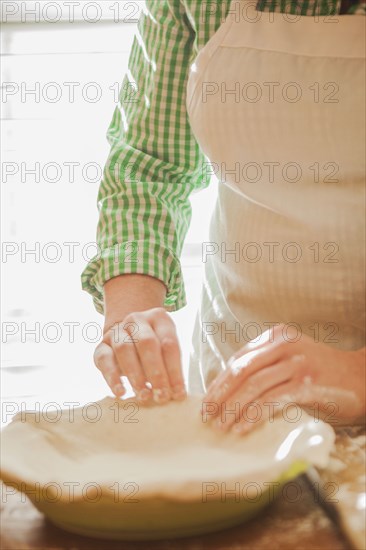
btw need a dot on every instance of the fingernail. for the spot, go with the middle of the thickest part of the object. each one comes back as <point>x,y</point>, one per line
<point>119,389</point>
<point>144,395</point>
<point>179,392</point>
<point>161,395</point>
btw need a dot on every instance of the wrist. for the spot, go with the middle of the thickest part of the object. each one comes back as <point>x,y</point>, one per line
<point>131,293</point>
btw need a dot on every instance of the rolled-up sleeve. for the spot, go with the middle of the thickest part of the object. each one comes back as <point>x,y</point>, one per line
<point>154,162</point>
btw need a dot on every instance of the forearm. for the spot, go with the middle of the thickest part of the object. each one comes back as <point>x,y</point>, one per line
<point>129,293</point>
<point>143,220</point>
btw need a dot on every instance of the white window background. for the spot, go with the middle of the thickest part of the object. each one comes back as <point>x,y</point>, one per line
<point>50,150</point>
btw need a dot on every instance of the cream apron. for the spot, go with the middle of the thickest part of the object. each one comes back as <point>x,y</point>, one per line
<point>276,103</point>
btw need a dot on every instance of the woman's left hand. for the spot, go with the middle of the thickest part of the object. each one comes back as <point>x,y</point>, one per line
<point>275,370</point>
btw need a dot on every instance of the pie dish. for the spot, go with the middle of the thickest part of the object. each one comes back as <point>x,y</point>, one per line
<point>114,469</point>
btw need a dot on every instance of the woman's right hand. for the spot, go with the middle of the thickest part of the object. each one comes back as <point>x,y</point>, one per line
<point>144,347</point>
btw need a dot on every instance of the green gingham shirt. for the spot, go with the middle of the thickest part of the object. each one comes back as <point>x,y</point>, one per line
<point>155,162</point>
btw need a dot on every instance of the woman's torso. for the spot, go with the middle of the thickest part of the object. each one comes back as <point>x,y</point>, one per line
<point>278,108</point>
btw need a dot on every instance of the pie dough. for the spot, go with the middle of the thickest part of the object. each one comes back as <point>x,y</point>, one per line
<point>119,470</point>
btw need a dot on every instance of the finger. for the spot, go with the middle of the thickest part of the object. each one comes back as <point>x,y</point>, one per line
<point>268,406</point>
<point>166,333</point>
<point>269,336</point>
<point>123,345</point>
<point>151,359</point>
<point>261,382</point>
<point>105,361</point>
<point>278,334</point>
<point>241,368</point>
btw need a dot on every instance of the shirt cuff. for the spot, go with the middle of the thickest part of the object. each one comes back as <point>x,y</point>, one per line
<point>142,257</point>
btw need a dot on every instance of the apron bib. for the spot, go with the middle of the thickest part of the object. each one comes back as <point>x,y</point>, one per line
<point>276,103</point>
